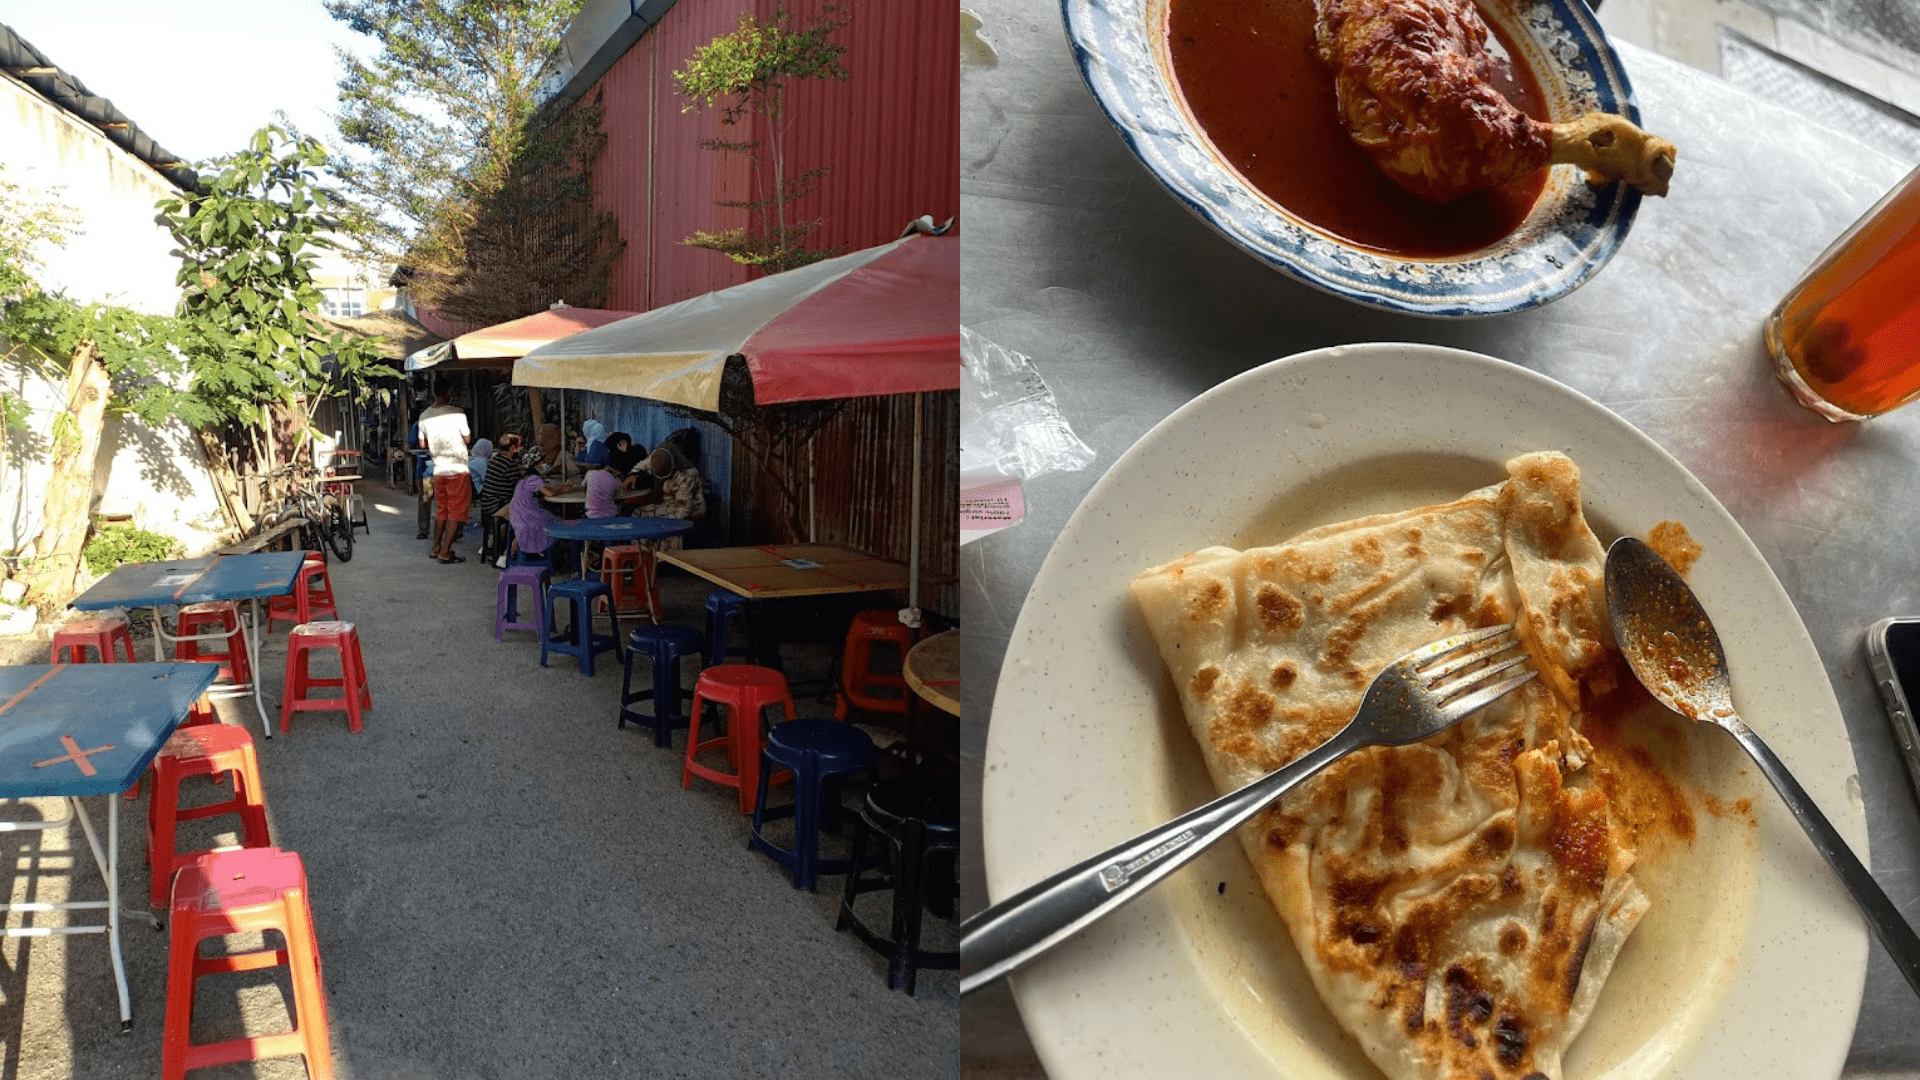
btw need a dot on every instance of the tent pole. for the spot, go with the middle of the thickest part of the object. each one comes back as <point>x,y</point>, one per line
<point>913,548</point>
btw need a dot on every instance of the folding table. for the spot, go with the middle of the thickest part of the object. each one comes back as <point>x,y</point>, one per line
<point>198,581</point>
<point>73,730</point>
<point>781,571</point>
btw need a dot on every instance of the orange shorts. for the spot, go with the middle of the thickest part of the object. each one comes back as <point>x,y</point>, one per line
<point>452,497</point>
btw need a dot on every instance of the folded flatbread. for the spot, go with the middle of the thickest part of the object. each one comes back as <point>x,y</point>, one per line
<point>1458,902</point>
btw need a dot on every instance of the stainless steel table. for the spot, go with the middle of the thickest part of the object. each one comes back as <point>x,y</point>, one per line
<point>1075,256</point>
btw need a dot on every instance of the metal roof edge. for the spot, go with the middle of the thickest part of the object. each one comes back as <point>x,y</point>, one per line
<point>591,45</point>
<point>31,68</point>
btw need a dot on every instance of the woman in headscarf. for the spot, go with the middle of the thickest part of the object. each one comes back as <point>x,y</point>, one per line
<point>477,456</point>
<point>679,491</point>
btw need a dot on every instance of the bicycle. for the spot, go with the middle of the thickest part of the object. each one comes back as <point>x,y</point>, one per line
<point>320,503</point>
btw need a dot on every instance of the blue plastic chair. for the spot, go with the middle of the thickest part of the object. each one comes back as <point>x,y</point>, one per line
<point>580,641</point>
<point>819,752</point>
<point>663,645</point>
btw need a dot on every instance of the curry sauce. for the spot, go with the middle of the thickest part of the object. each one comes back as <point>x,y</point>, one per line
<point>1252,77</point>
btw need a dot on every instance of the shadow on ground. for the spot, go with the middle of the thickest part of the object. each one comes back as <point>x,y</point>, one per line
<point>505,884</point>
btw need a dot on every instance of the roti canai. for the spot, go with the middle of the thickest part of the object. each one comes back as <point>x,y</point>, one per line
<point>1458,902</point>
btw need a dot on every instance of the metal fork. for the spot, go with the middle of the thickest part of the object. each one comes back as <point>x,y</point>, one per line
<point>1418,696</point>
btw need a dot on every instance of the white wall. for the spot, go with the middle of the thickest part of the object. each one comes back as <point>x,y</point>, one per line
<point>118,255</point>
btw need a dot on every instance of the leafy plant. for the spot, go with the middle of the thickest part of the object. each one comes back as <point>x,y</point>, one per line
<point>116,544</point>
<point>746,73</point>
<point>248,300</point>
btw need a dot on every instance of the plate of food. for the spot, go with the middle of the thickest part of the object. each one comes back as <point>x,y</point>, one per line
<point>1573,883</point>
<point>1437,157</point>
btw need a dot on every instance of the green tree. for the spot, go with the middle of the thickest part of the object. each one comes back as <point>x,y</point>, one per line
<point>447,155</point>
<point>746,73</point>
<point>247,328</point>
<point>242,340</point>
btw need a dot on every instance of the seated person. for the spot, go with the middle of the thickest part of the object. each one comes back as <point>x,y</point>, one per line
<point>554,461</point>
<point>530,519</point>
<point>602,483</point>
<point>678,491</point>
<point>625,456</point>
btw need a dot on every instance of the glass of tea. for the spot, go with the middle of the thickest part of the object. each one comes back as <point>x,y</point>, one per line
<point>1846,340</point>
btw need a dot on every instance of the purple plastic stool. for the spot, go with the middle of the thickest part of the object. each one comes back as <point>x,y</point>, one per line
<point>506,615</point>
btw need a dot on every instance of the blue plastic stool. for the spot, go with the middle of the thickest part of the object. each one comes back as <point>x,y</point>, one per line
<point>581,642</point>
<point>722,606</point>
<point>506,611</point>
<point>664,644</point>
<point>817,751</point>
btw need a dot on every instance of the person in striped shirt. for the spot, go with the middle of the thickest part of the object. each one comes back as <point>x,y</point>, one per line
<point>511,460</point>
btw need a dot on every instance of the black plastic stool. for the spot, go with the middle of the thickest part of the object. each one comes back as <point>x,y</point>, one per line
<point>919,817</point>
<point>664,645</point>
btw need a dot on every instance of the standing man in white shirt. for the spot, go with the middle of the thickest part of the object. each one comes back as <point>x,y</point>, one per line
<point>444,433</point>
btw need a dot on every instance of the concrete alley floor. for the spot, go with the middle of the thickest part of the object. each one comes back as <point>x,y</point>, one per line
<point>504,884</point>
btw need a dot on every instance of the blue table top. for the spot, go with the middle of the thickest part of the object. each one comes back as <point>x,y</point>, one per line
<point>194,581</point>
<point>618,528</point>
<point>117,715</point>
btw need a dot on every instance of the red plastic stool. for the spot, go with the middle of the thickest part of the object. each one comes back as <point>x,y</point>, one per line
<point>238,892</point>
<point>203,750</point>
<point>858,680</point>
<point>354,692</point>
<point>222,616</point>
<point>101,634</point>
<point>199,714</point>
<point>744,689</point>
<point>312,596</point>
<point>624,569</point>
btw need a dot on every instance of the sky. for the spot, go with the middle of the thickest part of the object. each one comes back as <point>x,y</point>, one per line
<point>198,76</point>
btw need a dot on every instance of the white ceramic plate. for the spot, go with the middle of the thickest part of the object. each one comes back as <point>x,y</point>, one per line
<point>1752,960</point>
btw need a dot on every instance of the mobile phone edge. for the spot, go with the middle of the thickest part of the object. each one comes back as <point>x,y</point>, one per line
<point>1899,711</point>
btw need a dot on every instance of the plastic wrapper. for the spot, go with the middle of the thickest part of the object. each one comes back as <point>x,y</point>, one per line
<point>1009,422</point>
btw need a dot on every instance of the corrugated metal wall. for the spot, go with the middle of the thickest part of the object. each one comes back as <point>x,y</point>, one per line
<point>649,422</point>
<point>890,136</point>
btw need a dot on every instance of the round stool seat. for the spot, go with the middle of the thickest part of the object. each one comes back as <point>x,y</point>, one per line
<point>644,638</point>
<point>893,803</point>
<point>837,746</point>
<point>744,676</point>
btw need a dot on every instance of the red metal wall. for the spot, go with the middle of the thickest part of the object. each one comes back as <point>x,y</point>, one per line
<point>890,136</point>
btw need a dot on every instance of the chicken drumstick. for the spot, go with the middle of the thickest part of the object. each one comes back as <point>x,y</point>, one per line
<point>1414,84</point>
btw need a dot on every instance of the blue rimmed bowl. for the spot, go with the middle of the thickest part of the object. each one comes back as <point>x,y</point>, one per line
<point>1571,232</point>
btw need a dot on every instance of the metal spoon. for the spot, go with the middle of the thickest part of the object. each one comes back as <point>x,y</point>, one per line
<point>1669,643</point>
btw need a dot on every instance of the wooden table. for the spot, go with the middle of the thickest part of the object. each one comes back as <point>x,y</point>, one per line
<point>776,571</point>
<point>74,730</point>
<point>932,669</point>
